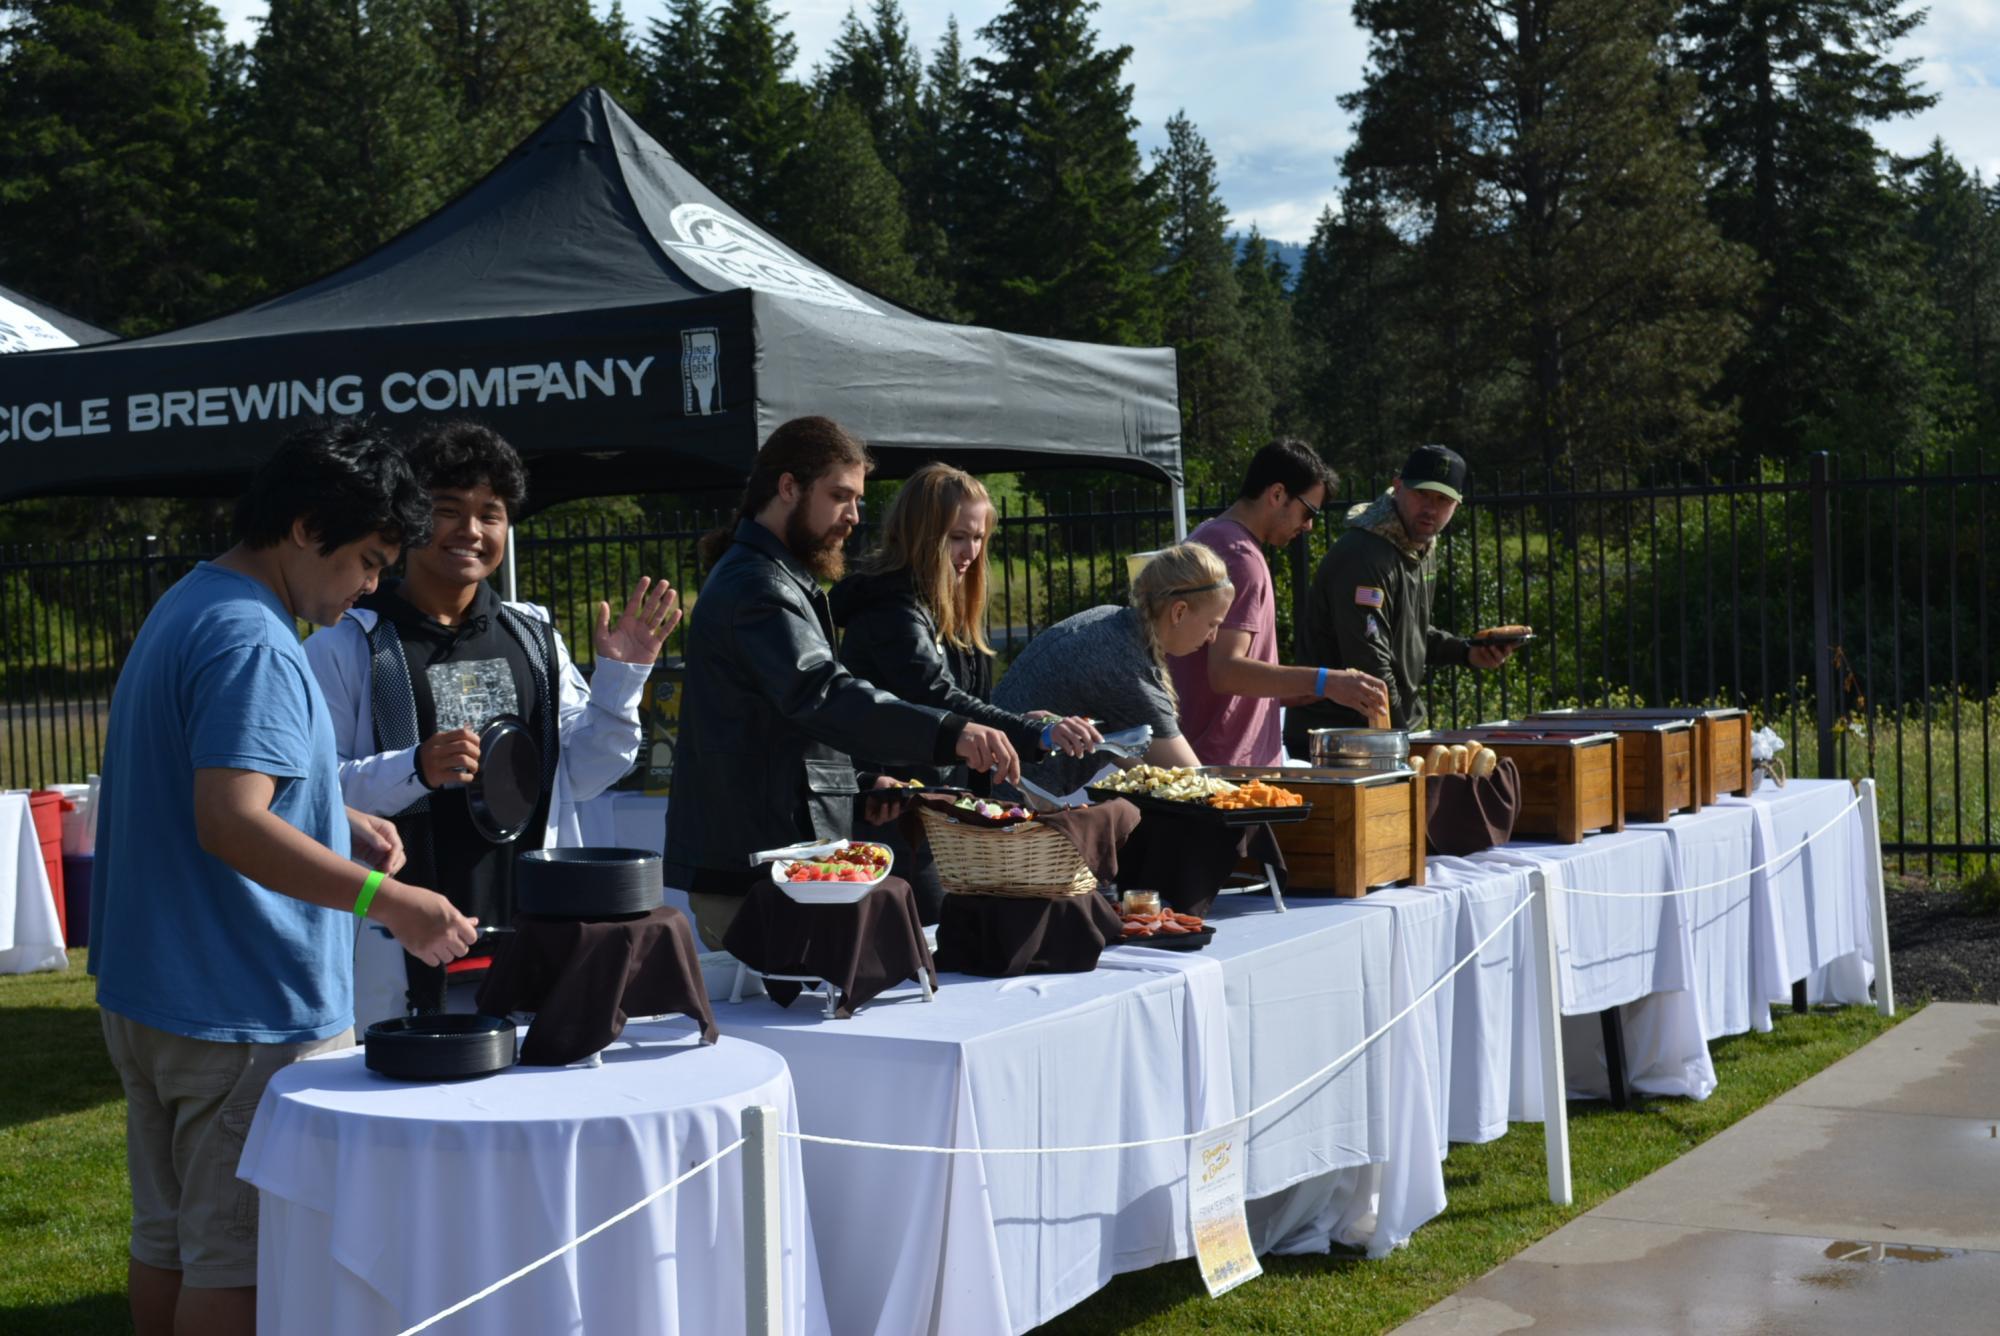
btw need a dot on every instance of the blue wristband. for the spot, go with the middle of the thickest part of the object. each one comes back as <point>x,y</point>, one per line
<point>1048,735</point>
<point>1319,687</point>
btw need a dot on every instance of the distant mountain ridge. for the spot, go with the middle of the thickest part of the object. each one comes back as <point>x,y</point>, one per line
<point>1291,252</point>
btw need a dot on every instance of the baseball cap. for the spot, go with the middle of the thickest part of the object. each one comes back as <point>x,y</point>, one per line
<point>1435,468</point>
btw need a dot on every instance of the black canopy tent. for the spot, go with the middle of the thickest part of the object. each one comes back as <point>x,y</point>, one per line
<point>26,324</point>
<point>621,325</point>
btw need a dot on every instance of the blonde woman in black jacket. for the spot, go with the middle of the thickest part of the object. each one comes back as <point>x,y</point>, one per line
<point>913,623</point>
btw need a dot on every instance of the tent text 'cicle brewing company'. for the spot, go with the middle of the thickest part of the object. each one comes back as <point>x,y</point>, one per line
<point>624,327</point>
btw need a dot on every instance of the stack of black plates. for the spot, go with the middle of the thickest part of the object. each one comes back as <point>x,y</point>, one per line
<point>587,883</point>
<point>439,1048</point>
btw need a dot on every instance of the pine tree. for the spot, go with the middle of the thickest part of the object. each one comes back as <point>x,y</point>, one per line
<point>1222,395</point>
<point>844,209</point>
<point>1586,303</point>
<point>680,83</point>
<point>109,204</point>
<point>880,73</point>
<point>1789,89</point>
<point>348,133</point>
<point>1358,328</point>
<point>758,116</point>
<point>933,197</point>
<point>1263,286</point>
<point>508,65</point>
<point>1061,220</point>
<point>1953,218</point>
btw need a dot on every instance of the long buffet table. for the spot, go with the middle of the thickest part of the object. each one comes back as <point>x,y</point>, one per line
<point>1155,1044</point>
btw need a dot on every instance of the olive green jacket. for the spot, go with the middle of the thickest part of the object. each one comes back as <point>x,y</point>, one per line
<point>1370,608</point>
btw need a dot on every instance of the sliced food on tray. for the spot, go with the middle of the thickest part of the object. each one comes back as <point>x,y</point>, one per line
<point>857,862</point>
<point>1257,795</point>
<point>1161,923</point>
<point>1174,783</point>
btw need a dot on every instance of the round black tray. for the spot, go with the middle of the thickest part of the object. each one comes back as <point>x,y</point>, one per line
<point>586,883</point>
<point>1178,941</point>
<point>439,1048</point>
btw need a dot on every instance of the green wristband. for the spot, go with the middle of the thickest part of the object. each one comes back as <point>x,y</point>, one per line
<point>367,895</point>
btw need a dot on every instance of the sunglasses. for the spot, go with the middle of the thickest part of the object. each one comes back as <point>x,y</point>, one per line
<point>1312,511</point>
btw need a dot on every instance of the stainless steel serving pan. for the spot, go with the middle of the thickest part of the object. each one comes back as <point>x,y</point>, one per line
<point>1337,746</point>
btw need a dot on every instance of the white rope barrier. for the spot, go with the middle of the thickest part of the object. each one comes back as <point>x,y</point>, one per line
<point>1765,866</point>
<point>576,1242</point>
<point>1182,1137</point>
<point>1558,1183</point>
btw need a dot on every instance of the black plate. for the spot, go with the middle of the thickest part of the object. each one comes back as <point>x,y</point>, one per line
<point>504,794</point>
<point>439,1048</point>
<point>1512,638</point>
<point>586,883</point>
<point>1247,816</point>
<point>1177,941</point>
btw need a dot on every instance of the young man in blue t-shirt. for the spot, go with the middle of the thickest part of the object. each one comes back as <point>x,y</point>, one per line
<point>220,933</point>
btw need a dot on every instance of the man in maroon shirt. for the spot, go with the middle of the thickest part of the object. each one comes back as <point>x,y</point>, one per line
<point>1230,691</point>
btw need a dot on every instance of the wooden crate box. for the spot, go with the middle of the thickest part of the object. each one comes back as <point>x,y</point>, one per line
<point>1365,831</point>
<point>1571,782</point>
<point>1661,760</point>
<point>1721,744</point>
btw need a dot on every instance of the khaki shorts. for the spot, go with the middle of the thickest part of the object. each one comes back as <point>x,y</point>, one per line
<point>188,1105</point>
<point>713,914</point>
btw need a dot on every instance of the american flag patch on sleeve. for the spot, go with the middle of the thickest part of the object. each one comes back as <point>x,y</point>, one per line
<point>1368,596</point>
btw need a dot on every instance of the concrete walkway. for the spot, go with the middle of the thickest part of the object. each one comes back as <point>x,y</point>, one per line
<point>1865,1200</point>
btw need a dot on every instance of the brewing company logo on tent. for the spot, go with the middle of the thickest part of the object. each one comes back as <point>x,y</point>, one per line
<point>22,331</point>
<point>743,256</point>
<point>701,371</point>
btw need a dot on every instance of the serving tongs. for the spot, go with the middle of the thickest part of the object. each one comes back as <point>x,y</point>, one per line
<point>1130,743</point>
<point>1045,800</point>
<point>821,849</point>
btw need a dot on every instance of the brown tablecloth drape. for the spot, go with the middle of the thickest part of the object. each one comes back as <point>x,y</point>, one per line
<point>1464,815</point>
<point>1188,859</point>
<point>1000,936</point>
<point>583,979</point>
<point>861,949</point>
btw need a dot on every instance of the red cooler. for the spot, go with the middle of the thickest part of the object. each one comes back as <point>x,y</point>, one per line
<point>46,805</point>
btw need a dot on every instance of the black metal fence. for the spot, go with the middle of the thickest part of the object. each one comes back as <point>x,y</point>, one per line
<point>1670,589</point>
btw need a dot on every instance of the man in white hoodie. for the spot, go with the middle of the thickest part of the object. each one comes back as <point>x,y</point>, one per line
<point>417,671</point>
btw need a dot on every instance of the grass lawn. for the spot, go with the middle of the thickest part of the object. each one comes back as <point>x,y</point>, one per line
<point>64,1207</point>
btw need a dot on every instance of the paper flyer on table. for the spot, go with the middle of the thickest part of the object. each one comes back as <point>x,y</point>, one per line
<point>1215,1209</point>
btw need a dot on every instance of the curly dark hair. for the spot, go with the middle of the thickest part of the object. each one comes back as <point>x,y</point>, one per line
<point>346,479</point>
<point>467,454</point>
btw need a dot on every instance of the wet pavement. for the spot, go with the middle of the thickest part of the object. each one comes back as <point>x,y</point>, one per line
<point>1865,1200</point>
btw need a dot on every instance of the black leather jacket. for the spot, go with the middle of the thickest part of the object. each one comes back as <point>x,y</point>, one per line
<point>889,638</point>
<point>770,718</point>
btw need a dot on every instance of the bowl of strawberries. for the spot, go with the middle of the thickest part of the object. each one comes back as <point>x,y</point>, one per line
<point>838,875</point>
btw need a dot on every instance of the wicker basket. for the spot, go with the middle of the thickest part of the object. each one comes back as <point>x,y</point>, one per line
<point>1030,861</point>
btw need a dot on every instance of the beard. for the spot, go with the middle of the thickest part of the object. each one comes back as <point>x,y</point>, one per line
<point>818,550</point>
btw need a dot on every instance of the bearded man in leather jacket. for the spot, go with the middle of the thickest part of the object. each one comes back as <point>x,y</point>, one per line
<point>770,718</point>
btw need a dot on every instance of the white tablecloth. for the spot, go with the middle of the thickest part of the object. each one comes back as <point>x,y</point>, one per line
<point>1813,905</point>
<point>1717,844</point>
<point>30,934</point>
<point>383,1202</point>
<point>1634,954</point>
<point>970,1245</point>
<point>1325,1166</point>
<point>1495,1049</point>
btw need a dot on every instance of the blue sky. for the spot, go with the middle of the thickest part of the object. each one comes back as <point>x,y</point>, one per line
<point>1262,81</point>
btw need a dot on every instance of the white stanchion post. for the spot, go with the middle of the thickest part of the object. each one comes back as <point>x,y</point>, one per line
<point>1555,1090</point>
<point>509,571</point>
<point>1878,900</point>
<point>763,1247</point>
